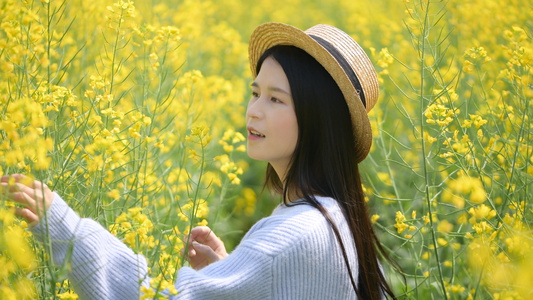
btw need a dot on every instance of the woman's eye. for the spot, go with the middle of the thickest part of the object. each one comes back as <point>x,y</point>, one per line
<point>276,100</point>
<point>255,94</point>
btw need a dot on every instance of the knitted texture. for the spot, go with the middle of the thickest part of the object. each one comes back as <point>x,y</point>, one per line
<point>292,254</point>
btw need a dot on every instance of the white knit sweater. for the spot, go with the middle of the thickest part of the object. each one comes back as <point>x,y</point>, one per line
<point>293,254</point>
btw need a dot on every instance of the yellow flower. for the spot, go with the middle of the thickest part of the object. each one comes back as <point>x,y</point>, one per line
<point>481,212</point>
<point>445,226</point>
<point>114,194</point>
<point>68,295</point>
<point>374,218</point>
<point>18,249</point>
<point>400,225</point>
<point>202,208</point>
<point>442,242</point>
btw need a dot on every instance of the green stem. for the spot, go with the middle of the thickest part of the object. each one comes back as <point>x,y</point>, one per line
<point>425,32</point>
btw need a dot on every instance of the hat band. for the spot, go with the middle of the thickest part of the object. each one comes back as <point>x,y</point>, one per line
<point>344,65</point>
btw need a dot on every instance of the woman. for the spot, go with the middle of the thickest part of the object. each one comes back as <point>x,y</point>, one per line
<point>307,118</point>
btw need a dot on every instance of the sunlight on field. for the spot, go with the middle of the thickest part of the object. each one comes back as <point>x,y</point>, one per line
<point>134,113</point>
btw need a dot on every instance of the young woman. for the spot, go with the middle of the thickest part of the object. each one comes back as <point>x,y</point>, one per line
<point>307,117</point>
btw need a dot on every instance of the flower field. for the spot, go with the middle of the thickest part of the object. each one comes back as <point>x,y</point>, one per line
<point>134,113</point>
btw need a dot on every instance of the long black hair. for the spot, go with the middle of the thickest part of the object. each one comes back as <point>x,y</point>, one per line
<point>324,162</point>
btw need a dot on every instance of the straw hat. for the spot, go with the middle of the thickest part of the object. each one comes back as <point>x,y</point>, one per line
<point>341,56</point>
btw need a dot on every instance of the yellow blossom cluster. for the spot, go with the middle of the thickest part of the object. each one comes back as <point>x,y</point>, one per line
<point>502,254</point>
<point>442,111</point>
<point>475,56</point>
<point>158,283</point>
<point>16,258</point>
<point>464,190</point>
<point>400,222</point>
<point>68,294</point>
<point>384,59</point>
<point>194,210</point>
<point>246,202</point>
<point>230,168</point>
<point>231,141</point>
<point>454,142</point>
<point>23,125</point>
<point>134,228</point>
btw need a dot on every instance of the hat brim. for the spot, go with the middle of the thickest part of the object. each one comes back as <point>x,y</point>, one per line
<point>269,35</point>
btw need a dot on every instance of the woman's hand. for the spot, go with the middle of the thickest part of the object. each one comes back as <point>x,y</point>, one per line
<point>204,247</point>
<point>34,195</point>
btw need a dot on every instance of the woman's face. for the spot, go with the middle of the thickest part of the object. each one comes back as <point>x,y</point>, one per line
<point>270,118</point>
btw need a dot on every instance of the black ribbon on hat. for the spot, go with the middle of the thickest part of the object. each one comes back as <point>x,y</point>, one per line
<point>344,65</point>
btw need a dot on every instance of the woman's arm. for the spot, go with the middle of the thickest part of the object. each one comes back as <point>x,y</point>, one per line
<point>99,265</point>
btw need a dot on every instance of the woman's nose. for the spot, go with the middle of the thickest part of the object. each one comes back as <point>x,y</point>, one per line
<point>255,109</point>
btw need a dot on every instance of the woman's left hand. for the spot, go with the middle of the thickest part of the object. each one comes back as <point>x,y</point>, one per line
<point>204,247</point>
<point>34,195</point>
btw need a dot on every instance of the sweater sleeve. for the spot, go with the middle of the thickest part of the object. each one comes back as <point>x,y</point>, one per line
<point>244,274</point>
<point>100,266</point>
<point>285,256</point>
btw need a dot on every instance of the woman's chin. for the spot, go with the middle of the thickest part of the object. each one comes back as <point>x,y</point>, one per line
<point>254,155</point>
<point>251,154</point>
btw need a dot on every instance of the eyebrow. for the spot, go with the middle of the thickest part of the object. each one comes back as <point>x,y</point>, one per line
<point>272,88</point>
